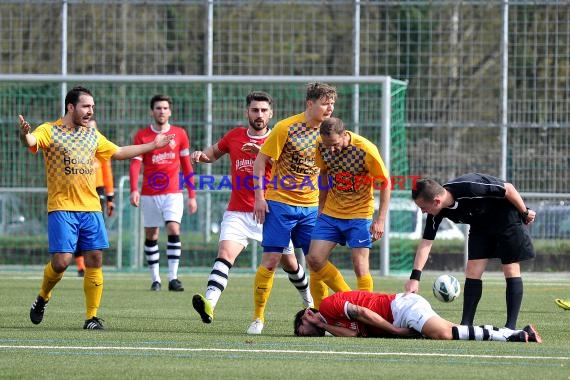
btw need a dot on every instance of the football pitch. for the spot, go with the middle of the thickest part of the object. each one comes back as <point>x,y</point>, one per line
<point>159,335</point>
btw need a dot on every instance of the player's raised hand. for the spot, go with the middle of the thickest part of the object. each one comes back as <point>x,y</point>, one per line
<point>161,140</point>
<point>26,137</point>
<point>24,125</point>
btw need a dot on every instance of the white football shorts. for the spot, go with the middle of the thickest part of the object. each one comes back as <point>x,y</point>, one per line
<point>157,209</point>
<point>238,226</point>
<point>411,310</point>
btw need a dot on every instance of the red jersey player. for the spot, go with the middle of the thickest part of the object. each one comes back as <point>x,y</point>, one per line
<point>365,314</point>
<point>161,197</point>
<point>238,224</point>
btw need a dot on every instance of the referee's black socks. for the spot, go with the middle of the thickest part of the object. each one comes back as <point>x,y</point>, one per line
<point>471,295</point>
<point>514,295</point>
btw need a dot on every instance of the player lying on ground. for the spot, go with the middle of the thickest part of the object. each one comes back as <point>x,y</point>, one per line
<point>366,314</point>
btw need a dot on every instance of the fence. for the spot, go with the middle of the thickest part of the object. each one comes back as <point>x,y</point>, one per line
<point>488,81</point>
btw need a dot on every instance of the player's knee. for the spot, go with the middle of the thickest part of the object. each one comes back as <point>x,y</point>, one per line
<point>59,267</point>
<point>315,261</point>
<point>270,261</point>
<point>94,259</point>
<point>60,262</point>
<point>289,262</point>
<point>361,270</point>
<point>172,228</point>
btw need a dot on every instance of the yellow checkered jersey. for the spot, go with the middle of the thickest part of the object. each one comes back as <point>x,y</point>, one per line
<point>69,155</point>
<point>294,175</point>
<point>353,173</point>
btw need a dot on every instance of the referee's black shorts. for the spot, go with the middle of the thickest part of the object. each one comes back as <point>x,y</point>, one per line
<point>512,245</point>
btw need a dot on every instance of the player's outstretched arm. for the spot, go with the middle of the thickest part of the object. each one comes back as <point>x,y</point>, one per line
<point>130,151</point>
<point>208,155</point>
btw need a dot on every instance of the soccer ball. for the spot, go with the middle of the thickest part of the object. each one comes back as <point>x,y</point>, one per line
<point>446,288</point>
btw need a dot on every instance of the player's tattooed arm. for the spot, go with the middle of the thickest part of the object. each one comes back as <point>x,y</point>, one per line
<point>375,320</point>
<point>352,311</point>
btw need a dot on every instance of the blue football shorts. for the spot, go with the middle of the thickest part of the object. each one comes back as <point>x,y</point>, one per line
<point>284,222</point>
<point>76,231</point>
<point>354,232</point>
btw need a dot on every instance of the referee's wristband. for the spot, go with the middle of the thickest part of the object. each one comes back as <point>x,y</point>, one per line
<point>416,274</point>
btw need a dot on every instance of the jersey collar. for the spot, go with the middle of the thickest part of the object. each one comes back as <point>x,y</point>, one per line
<point>152,127</point>
<point>258,137</point>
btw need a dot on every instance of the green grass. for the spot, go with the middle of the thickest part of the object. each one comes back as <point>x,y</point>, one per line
<point>158,335</point>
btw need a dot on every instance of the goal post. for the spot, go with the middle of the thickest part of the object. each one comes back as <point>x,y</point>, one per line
<point>206,106</point>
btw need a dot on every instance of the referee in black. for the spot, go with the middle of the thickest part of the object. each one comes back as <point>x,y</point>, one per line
<point>496,213</point>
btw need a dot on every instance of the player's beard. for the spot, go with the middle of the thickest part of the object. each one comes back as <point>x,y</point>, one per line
<point>78,120</point>
<point>257,124</point>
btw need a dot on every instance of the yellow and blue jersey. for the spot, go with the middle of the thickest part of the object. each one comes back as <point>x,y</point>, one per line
<point>354,171</point>
<point>69,154</point>
<point>294,176</point>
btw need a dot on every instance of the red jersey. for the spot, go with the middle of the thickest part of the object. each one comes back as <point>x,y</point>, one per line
<point>243,195</point>
<point>161,166</point>
<point>333,309</point>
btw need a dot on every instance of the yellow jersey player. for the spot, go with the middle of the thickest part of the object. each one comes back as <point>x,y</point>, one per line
<point>75,220</point>
<point>355,169</point>
<point>289,208</point>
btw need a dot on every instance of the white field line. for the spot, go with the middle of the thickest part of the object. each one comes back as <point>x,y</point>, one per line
<point>347,353</point>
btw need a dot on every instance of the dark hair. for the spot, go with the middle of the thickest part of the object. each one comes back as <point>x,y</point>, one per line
<point>316,90</point>
<point>332,126</point>
<point>298,320</point>
<point>427,189</point>
<point>160,98</point>
<point>259,96</point>
<point>73,95</point>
